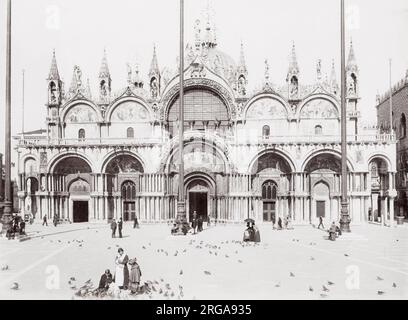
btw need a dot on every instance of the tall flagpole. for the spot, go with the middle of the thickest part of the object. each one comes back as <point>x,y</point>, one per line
<point>181,206</point>
<point>391,128</point>
<point>8,195</point>
<point>23,105</point>
<point>345,217</point>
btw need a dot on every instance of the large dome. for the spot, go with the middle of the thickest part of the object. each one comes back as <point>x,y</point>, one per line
<point>220,62</point>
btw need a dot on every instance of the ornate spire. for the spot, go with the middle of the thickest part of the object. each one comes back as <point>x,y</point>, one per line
<point>352,57</point>
<point>293,64</point>
<point>319,70</point>
<point>154,67</point>
<point>210,38</point>
<point>352,61</point>
<point>54,74</point>
<point>267,83</point>
<point>104,71</point>
<point>88,92</point>
<point>333,79</point>
<point>242,68</point>
<point>137,80</point>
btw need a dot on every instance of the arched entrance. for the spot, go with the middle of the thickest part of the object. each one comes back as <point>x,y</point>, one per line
<point>31,200</point>
<point>321,200</point>
<point>72,174</point>
<point>379,186</point>
<point>269,197</point>
<point>129,200</point>
<point>199,192</point>
<point>79,197</point>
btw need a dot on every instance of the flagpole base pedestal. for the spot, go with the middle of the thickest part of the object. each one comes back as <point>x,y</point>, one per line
<point>7,217</point>
<point>345,218</point>
<point>181,226</point>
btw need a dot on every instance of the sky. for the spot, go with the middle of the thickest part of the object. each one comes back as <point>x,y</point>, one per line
<point>79,30</point>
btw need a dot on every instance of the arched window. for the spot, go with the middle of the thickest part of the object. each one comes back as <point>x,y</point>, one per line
<point>318,130</point>
<point>269,191</point>
<point>128,191</point>
<point>266,131</point>
<point>81,134</point>
<point>130,133</point>
<point>403,127</point>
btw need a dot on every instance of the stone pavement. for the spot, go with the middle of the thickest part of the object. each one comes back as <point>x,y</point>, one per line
<point>369,263</point>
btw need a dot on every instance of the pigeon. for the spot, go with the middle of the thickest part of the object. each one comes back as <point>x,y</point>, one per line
<point>166,294</point>
<point>380,292</point>
<point>325,289</point>
<point>216,254</point>
<point>277,285</point>
<point>161,280</point>
<point>379,278</point>
<point>154,288</point>
<point>180,288</point>
<point>167,286</point>
<point>346,255</point>
<point>226,256</point>
<point>150,243</point>
<point>15,286</point>
<point>143,247</point>
<point>185,250</point>
<point>181,272</point>
<point>72,279</point>
<point>312,258</point>
<point>160,291</point>
<point>210,252</point>
<point>292,274</point>
<point>240,261</point>
<point>323,295</point>
<point>176,254</point>
<point>311,289</point>
<point>109,248</point>
<point>330,283</point>
<point>208,273</point>
<point>172,294</point>
<point>394,285</point>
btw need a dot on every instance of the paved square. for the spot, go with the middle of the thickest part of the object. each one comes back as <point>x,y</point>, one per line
<point>293,264</point>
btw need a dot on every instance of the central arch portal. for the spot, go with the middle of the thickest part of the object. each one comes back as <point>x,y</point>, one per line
<point>199,192</point>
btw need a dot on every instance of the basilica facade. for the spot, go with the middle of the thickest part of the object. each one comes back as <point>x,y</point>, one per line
<point>264,154</point>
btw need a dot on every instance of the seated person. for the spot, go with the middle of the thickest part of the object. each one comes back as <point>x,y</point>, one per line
<point>106,280</point>
<point>332,232</point>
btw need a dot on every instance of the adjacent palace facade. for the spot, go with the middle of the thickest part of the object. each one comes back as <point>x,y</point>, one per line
<point>265,154</point>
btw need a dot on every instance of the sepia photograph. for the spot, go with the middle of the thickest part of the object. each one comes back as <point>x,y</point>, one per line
<point>221,151</point>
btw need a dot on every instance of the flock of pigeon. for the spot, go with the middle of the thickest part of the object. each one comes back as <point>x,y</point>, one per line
<point>161,289</point>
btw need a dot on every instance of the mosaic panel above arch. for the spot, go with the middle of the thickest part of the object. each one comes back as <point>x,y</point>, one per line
<point>319,109</point>
<point>81,114</point>
<point>267,108</point>
<point>130,111</point>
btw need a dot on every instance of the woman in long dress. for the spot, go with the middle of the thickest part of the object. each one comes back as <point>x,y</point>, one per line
<point>121,270</point>
<point>135,275</point>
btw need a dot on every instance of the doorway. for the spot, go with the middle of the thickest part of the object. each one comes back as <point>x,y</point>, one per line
<point>129,211</point>
<point>81,211</point>
<point>321,209</point>
<point>198,202</point>
<point>269,198</point>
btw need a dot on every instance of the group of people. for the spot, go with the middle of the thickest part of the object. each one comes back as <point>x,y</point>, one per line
<point>282,224</point>
<point>123,278</point>
<point>119,226</point>
<point>334,230</point>
<point>197,223</point>
<point>16,227</point>
<point>55,220</point>
<point>252,233</point>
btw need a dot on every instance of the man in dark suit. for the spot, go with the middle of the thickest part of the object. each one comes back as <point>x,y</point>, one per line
<point>113,227</point>
<point>120,226</point>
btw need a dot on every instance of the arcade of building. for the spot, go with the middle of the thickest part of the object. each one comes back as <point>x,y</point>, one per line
<point>266,154</point>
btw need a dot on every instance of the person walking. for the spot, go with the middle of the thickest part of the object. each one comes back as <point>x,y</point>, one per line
<point>135,223</point>
<point>320,223</point>
<point>113,227</point>
<point>134,276</point>
<point>45,221</point>
<point>194,222</point>
<point>55,220</point>
<point>120,226</point>
<point>200,223</point>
